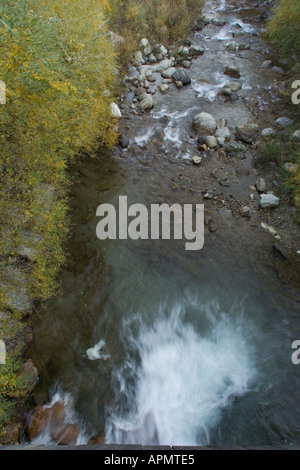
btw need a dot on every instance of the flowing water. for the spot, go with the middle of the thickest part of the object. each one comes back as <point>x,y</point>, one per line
<point>155,344</point>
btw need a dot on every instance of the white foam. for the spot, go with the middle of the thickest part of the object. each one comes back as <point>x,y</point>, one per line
<point>143,139</point>
<point>96,352</point>
<point>45,438</point>
<point>172,134</point>
<point>184,379</point>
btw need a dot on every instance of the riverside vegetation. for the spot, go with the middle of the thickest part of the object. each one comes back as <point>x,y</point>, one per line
<point>62,65</point>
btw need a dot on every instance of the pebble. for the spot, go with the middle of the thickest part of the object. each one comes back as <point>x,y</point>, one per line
<point>163,88</point>
<point>208,194</point>
<point>243,171</point>
<point>219,174</point>
<point>225,184</point>
<point>260,185</point>
<point>208,220</point>
<point>234,97</point>
<point>211,142</point>
<point>213,228</point>
<point>197,160</point>
<point>245,212</point>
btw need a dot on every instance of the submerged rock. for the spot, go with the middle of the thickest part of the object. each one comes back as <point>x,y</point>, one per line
<point>232,72</point>
<point>232,46</point>
<point>234,86</point>
<point>196,50</point>
<point>219,174</point>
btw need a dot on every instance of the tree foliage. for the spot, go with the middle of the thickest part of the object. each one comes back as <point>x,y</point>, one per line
<point>59,68</point>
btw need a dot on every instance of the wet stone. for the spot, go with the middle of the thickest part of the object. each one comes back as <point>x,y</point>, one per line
<point>243,171</point>
<point>219,174</point>
<point>245,211</point>
<point>234,97</point>
<point>208,220</point>
<point>197,160</point>
<point>224,184</point>
<point>213,228</point>
<point>277,247</point>
<point>208,194</point>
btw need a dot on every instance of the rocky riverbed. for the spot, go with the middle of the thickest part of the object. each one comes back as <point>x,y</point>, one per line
<point>191,118</point>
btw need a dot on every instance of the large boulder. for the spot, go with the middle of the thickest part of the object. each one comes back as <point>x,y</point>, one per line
<point>204,123</point>
<point>57,420</point>
<point>182,75</point>
<point>29,378</point>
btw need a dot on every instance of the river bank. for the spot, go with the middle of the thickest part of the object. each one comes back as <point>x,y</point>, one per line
<point>247,248</point>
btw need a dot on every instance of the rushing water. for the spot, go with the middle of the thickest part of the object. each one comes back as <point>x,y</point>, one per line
<point>154,344</point>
